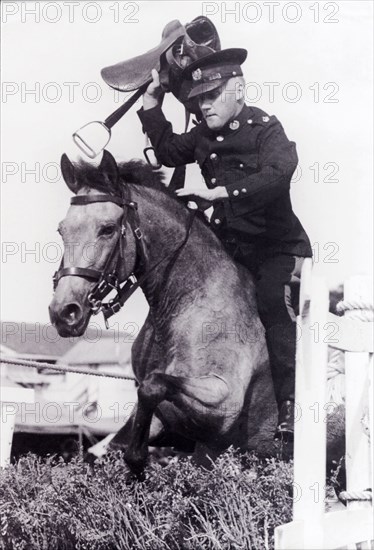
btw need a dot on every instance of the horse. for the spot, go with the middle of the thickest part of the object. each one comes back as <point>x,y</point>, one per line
<point>200,359</point>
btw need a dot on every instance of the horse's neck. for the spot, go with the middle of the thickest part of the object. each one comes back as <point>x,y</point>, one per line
<point>164,224</point>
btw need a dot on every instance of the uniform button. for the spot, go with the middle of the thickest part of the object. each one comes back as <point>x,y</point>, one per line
<point>213,156</point>
<point>265,118</point>
<point>233,73</point>
<point>234,125</point>
<point>213,180</point>
<point>235,193</point>
<point>250,121</point>
<point>244,190</point>
<point>241,165</point>
<point>217,221</point>
<point>220,138</point>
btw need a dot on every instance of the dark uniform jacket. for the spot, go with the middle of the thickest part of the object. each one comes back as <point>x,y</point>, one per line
<point>252,157</point>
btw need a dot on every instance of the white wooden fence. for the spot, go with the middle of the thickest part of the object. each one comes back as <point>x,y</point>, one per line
<point>351,527</point>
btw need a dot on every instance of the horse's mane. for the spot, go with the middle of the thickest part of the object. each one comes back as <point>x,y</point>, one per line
<point>141,173</point>
<point>134,171</point>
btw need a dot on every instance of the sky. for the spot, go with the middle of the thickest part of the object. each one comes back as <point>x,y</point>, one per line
<point>309,63</point>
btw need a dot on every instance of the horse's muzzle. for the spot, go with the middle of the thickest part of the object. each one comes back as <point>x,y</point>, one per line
<point>69,319</point>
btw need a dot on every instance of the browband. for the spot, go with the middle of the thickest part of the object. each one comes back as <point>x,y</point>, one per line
<point>88,199</point>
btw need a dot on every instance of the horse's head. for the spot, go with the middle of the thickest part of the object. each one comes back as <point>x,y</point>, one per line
<point>95,235</point>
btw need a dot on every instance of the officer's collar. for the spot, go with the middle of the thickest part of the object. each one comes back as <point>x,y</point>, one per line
<point>233,125</point>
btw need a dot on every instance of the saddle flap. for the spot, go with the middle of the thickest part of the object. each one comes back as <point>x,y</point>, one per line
<point>129,75</point>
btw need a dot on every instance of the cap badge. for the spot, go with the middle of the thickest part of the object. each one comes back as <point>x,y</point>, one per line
<point>234,125</point>
<point>197,74</point>
<point>214,76</point>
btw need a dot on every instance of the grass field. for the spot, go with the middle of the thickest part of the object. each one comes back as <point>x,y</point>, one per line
<point>48,504</point>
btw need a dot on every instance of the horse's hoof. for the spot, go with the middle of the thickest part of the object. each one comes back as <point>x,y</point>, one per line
<point>139,475</point>
<point>137,472</point>
<point>136,465</point>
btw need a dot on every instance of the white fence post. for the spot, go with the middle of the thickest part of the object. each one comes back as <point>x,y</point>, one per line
<point>352,526</point>
<point>310,428</point>
<point>358,399</point>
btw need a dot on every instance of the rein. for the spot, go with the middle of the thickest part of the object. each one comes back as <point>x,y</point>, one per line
<point>107,280</point>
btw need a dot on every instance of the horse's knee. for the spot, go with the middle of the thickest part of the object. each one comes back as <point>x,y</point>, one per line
<point>209,390</point>
<point>152,390</point>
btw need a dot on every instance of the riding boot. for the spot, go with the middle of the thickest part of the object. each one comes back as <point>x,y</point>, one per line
<point>281,342</point>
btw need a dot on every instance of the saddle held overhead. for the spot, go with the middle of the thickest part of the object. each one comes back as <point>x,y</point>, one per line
<point>180,45</point>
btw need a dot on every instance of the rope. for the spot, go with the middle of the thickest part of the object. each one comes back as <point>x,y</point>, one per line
<point>363,310</point>
<point>351,496</point>
<point>64,368</point>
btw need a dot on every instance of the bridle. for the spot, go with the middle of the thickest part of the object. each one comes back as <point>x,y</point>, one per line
<point>107,279</point>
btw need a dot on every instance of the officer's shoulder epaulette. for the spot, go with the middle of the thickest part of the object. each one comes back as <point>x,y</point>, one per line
<point>258,116</point>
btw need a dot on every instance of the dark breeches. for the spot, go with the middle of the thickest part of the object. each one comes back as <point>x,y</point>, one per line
<point>277,285</point>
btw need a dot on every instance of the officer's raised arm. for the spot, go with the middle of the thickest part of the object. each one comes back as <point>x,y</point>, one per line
<point>171,149</point>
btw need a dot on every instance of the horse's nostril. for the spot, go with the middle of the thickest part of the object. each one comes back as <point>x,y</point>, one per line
<point>71,313</point>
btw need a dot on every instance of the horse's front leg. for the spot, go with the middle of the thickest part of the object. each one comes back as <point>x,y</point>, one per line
<point>189,394</point>
<point>151,392</point>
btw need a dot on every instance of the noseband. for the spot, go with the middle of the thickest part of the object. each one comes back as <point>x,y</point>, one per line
<point>108,280</point>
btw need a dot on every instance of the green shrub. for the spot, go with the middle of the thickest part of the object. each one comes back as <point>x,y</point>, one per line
<point>235,505</point>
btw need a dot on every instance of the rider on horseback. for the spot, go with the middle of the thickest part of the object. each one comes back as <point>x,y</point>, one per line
<point>247,163</point>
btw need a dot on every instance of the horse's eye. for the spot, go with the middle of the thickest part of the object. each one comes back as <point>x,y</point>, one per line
<point>107,231</point>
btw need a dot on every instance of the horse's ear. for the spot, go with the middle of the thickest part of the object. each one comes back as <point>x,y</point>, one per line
<point>68,173</point>
<point>109,168</point>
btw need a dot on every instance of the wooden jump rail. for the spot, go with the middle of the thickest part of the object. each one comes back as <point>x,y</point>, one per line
<point>312,528</point>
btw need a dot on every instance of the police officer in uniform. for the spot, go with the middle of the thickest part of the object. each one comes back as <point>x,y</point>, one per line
<point>247,163</point>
